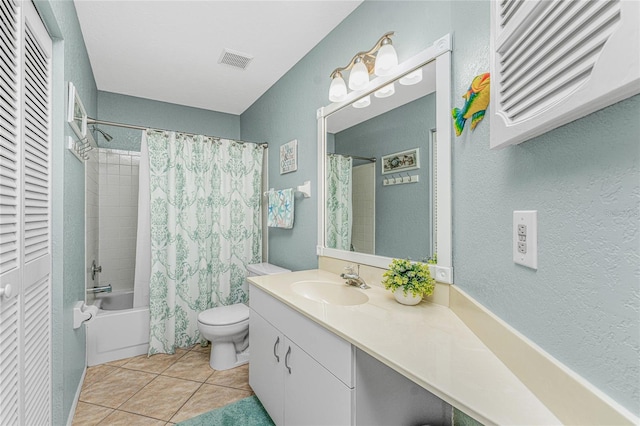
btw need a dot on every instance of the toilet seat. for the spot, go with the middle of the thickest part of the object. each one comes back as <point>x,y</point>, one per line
<point>224,315</point>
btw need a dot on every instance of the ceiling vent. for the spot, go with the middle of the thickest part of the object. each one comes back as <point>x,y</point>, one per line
<point>235,59</point>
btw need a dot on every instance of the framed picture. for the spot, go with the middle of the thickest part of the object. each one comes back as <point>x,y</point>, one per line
<point>77,115</point>
<point>401,161</point>
<point>289,157</point>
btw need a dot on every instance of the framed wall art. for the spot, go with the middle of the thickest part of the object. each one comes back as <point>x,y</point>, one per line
<point>401,161</point>
<point>289,157</point>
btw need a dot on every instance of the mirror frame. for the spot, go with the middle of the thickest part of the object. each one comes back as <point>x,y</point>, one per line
<point>440,52</point>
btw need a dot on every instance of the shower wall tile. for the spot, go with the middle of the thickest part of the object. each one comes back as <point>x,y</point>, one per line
<point>92,210</point>
<point>118,217</point>
<point>363,207</point>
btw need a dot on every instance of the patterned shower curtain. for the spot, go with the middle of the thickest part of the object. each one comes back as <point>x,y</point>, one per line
<point>339,207</point>
<point>205,228</point>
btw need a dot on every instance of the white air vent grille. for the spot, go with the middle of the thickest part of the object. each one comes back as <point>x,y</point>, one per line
<point>235,59</point>
<point>554,56</point>
<point>509,8</point>
<point>556,61</point>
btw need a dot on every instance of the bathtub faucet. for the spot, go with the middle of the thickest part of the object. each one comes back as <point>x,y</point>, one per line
<point>103,289</point>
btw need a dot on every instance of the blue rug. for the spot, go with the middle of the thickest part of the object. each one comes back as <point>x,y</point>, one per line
<point>246,412</point>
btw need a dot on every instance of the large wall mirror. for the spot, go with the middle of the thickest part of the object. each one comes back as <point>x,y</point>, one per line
<point>384,172</point>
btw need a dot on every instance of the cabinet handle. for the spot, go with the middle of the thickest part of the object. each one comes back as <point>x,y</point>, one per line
<point>286,359</point>
<point>275,349</point>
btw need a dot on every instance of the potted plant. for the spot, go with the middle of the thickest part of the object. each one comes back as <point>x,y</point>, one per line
<point>409,281</point>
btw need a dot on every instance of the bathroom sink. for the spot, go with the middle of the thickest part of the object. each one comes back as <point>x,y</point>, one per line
<point>330,292</point>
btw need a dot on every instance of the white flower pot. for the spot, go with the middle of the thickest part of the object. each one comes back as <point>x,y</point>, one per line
<point>409,299</point>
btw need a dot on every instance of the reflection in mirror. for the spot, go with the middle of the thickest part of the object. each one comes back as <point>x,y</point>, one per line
<point>377,207</point>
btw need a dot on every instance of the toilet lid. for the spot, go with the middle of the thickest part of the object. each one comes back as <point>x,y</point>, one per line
<point>225,315</point>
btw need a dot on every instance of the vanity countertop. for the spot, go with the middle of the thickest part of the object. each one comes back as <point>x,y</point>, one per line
<point>426,343</point>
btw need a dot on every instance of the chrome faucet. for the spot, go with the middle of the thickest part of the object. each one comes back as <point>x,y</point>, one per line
<point>103,289</point>
<point>353,278</point>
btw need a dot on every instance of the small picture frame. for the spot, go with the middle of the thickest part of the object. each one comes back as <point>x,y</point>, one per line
<point>77,115</point>
<point>401,161</point>
<point>289,157</point>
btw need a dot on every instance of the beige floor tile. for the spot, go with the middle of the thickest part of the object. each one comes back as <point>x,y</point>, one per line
<point>161,398</point>
<point>207,398</point>
<point>192,366</point>
<point>97,373</point>
<point>198,348</point>
<point>89,414</point>
<point>155,363</point>
<point>237,378</point>
<point>118,362</point>
<point>120,418</point>
<point>116,388</point>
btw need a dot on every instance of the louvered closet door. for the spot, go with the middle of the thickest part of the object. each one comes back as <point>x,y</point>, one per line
<point>25,257</point>
<point>10,189</point>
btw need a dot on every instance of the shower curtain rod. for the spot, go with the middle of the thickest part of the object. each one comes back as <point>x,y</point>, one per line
<point>357,157</point>
<point>134,127</point>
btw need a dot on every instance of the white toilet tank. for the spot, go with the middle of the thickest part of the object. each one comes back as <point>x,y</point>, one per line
<point>264,268</point>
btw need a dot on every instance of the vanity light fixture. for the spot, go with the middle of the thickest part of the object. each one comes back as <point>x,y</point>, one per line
<point>385,91</point>
<point>362,103</point>
<point>414,77</point>
<point>381,59</point>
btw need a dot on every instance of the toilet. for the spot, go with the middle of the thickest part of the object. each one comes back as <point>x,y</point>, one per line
<point>227,327</point>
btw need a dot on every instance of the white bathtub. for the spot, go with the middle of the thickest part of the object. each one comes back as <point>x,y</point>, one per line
<point>117,334</point>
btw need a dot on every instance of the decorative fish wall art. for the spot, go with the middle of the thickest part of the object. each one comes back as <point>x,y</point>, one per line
<point>476,102</point>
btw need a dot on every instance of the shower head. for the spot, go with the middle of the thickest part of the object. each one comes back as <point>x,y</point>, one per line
<point>106,135</point>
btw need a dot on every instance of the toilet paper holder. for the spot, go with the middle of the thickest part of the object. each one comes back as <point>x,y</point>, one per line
<point>83,313</point>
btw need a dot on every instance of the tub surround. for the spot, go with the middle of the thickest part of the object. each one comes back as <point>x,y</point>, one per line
<point>426,343</point>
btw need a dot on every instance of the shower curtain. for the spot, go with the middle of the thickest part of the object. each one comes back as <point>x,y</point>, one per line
<point>205,227</point>
<point>339,207</point>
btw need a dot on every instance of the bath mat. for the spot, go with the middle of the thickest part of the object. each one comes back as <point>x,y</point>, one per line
<point>246,412</point>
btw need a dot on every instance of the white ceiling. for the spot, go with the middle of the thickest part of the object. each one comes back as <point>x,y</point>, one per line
<point>169,50</point>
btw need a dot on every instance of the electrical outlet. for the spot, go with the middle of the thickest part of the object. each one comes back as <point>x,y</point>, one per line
<point>525,238</point>
<point>522,247</point>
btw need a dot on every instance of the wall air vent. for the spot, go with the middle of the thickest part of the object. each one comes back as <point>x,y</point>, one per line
<point>235,59</point>
<point>554,61</point>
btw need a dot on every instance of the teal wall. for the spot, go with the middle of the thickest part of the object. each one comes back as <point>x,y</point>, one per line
<point>582,304</point>
<point>401,129</point>
<point>288,109</point>
<point>145,112</point>
<point>70,63</point>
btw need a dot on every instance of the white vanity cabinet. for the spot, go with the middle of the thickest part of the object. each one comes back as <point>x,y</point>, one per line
<point>302,373</point>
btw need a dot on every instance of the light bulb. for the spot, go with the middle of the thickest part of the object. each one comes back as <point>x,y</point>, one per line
<point>385,91</point>
<point>362,103</point>
<point>338,89</point>
<point>386,60</point>
<point>412,78</point>
<point>359,76</point>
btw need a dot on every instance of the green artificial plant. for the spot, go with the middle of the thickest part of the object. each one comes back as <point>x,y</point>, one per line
<point>411,277</point>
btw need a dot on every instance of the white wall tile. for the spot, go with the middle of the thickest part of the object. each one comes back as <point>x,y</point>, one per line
<point>118,186</point>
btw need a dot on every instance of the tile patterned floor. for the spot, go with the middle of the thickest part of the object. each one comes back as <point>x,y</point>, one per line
<point>158,390</point>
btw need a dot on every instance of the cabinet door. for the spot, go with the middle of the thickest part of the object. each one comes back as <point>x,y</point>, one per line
<point>266,362</point>
<point>313,396</point>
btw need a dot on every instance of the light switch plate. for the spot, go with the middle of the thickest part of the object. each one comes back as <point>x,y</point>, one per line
<point>525,238</point>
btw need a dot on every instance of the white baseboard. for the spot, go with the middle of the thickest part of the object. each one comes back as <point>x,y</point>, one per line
<point>76,398</point>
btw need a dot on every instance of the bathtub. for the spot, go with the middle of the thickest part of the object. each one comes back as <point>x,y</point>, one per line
<point>118,331</point>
